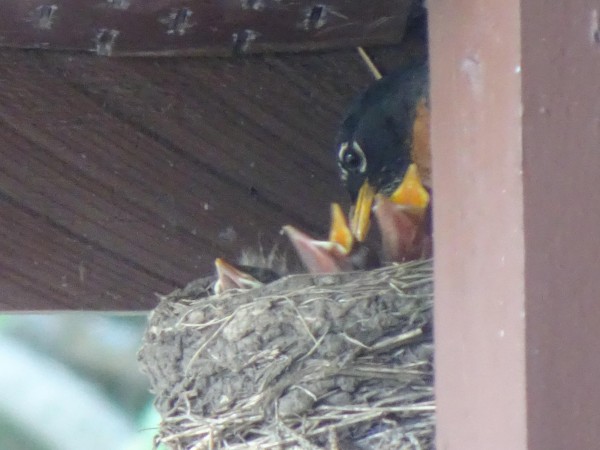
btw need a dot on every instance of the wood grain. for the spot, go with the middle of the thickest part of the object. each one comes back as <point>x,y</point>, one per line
<point>124,177</point>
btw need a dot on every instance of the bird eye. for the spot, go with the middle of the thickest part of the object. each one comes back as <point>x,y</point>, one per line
<point>352,159</point>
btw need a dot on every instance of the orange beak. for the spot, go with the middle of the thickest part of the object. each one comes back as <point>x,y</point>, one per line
<point>339,231</point>
<point>361,214</point>
<point>411,192</point>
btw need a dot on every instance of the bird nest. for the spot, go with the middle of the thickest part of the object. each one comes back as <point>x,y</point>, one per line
<point>339,361</point>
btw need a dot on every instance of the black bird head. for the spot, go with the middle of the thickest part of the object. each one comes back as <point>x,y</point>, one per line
<point>380,137</point>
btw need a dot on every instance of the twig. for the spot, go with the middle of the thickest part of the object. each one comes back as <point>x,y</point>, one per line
<point>369,63</point>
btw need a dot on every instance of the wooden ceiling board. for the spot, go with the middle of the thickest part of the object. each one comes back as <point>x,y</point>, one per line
<point>122,177</point>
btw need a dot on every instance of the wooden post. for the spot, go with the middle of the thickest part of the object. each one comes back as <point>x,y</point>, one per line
<point>516,141</point>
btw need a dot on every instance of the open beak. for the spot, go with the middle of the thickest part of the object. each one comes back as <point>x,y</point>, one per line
<point>339,232</point>
<point>319,256</point>
<point>401,219</point>
<point>411,192</point>
<point>361,213</point>
<point>402,231</point>
<point>230,277</point>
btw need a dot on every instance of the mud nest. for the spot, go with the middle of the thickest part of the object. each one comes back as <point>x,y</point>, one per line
<point>331,361</point>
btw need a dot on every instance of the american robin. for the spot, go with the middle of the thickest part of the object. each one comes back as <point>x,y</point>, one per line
<point>383,155</point>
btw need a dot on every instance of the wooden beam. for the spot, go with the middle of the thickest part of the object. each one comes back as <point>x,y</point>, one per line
<point>516,126</point>
<point>199,27</point>
<point>561,161</point>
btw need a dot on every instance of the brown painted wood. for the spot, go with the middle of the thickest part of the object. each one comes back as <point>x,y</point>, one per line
<point>124,177</point>
<point>479,244</point>
<point>516,163</point>
<point>561,163</point>
<point>169,27</point>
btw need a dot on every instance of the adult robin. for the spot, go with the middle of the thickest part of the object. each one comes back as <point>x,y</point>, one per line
<point>383,154</point>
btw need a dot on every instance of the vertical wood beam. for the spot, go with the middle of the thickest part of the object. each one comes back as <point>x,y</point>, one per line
<point>561,163</point>
<point>516,138</point>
